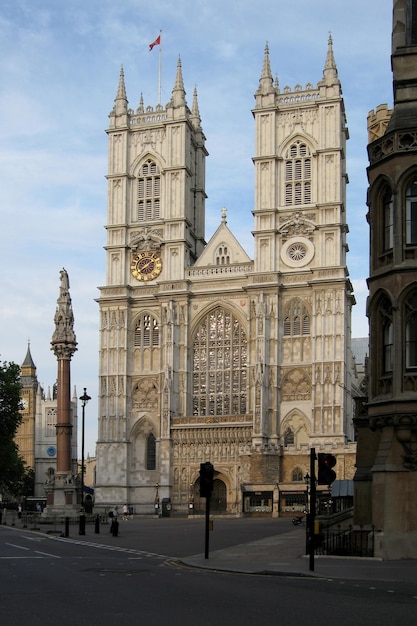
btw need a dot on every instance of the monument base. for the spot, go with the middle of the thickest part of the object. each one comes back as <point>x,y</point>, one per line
<point>62,495</point>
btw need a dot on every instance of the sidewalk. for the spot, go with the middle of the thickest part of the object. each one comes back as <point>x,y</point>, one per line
<point>284,555</point>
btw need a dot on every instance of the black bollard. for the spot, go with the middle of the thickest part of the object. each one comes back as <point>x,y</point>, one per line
<point>66,534</point>
<point>97,525</point>
<point>82,524</point>
<point>115,528</point>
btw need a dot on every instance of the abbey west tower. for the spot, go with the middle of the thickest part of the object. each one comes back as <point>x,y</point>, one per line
<point>205,354</point>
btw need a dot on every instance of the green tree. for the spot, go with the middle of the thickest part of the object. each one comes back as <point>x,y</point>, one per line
<point>12,467</point>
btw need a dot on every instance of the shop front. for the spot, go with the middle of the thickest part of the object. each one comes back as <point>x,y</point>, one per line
<point>258,502</point>
<point>292,503</point>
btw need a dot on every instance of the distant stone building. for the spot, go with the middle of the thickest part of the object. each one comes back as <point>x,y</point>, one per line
<point>36,436</point>
<point>206,354</point>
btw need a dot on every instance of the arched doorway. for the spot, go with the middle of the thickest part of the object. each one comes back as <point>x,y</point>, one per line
<point>88,504</point>
<point>218,500</point>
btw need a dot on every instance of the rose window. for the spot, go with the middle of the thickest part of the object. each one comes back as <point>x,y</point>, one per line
<point>297,251</point>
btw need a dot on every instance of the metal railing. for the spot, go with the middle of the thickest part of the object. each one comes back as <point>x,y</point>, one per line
<point>348,541</point>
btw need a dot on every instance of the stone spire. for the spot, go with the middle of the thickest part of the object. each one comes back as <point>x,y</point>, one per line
<point>28,362</point>
<point>141,107</point>
<point>120,102</point>
<point>63,342</point>
<point>28,370</point>
<point>330,76</point>
<point>178,92</point>
<point>266,82</point>
<point>195,111</point>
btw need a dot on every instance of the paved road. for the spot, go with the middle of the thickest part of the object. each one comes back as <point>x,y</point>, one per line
<point>101,579</point>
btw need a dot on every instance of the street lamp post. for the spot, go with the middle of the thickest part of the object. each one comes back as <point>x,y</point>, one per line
<point>307,510</point>
<point>156,504</point>
<point>84,399</point>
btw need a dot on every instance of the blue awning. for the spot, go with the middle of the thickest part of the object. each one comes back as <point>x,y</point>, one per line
<point>342,489</point>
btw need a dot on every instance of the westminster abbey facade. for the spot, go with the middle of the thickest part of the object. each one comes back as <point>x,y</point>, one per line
<point>205,353</point>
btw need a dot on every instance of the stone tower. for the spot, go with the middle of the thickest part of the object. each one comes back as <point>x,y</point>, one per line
<point>25,436</point>
<point>205,354</point>
<point>300,243</point>
<point>386,478</point>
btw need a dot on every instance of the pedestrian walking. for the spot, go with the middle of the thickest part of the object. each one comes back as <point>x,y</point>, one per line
<point>114,523</point>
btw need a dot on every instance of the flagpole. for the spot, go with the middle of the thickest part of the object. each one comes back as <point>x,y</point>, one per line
<point>159,67</point>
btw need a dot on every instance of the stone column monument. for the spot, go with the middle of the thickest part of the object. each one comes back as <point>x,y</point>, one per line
<point>62,492</point>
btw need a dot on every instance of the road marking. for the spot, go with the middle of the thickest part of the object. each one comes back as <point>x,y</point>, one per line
<point>91,544</point>
<point>37,539</point>
<point>53,556</point>
<point>15,558</point>
<point>16,546</point>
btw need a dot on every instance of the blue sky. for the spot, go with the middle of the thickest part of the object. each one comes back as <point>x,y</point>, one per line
<point>59,69</point>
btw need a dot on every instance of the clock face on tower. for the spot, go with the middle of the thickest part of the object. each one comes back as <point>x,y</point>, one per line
<point>146,265</point>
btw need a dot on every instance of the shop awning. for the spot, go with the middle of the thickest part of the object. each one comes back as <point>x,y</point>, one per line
<point>342,489</point>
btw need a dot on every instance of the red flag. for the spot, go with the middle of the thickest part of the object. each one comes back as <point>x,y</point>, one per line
<point>155,43</point>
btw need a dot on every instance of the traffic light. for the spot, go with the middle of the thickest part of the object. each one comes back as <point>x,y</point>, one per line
<point>206,479</point>
<point>326,473</point>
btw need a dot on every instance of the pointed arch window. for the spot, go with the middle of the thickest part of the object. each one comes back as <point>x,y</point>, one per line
<point>411,214</point>
<point>388,345</point>
<point>220,365</point>
<point>297,475</point>
<point>149,192</point>
<point>146,331</point>
<point>296,319</point>
<point>388,220</point>
<point>387,335</point>
<point>151,452</point>
<point>411,332</point>
<point>298,174</point>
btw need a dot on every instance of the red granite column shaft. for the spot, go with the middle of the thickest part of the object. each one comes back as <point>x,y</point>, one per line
<point>63,423</point>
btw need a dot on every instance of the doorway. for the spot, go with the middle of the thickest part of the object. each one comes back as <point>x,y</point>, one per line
<point>218,500</point>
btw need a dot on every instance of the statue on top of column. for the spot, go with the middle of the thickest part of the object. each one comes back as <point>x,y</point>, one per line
<point>63,342</point>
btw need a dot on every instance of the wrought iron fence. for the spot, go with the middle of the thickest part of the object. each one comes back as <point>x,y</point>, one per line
<point>347,541</point>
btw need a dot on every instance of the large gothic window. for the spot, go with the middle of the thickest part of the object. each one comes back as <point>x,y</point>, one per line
<point>219,365</point>
<point>411,214</point>
<point>296,319</point>
<point>411,331</point>
<point>146,331</point>
<point>298,174</point>
<point>149,191</point>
